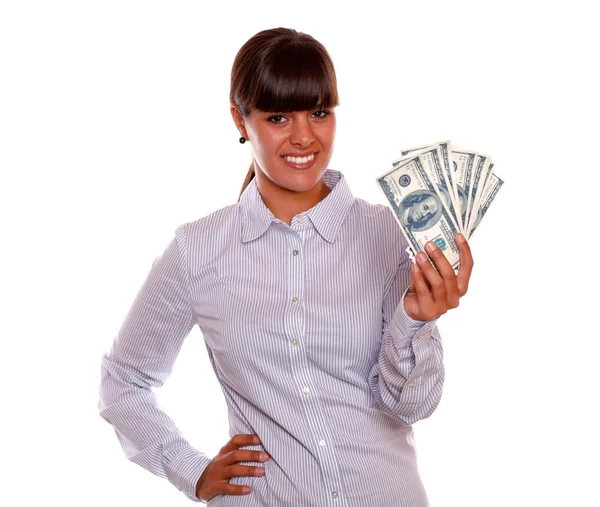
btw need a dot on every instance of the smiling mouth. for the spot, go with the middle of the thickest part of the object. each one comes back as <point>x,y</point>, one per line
<point>301,162</point>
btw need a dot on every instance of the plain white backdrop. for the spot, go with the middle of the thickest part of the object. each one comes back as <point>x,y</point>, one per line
<point>115,128</point>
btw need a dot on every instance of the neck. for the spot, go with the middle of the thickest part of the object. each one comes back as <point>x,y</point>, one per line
<point>285,204</point>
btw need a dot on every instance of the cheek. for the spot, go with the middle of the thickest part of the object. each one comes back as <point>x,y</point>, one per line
<point>264,151</point>
<point>328,134</point>
<point>270,145</point>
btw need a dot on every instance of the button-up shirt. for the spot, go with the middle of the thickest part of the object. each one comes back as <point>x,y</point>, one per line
<point>306,332</point>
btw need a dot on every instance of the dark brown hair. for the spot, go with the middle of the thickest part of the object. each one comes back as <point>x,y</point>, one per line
<point>282,70</point>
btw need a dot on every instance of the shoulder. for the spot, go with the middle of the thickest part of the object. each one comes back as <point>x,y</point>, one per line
<point>378,220</point>
<point>208,234</point>
<point>222,218</point>
<point>382,235</point>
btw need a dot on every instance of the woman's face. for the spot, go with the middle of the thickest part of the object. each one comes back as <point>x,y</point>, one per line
<point>273,136</point>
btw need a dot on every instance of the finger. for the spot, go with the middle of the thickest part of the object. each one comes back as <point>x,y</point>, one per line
<point>424,298</point>
<point>244,455</point>
<point>446,271</point>
<point>239,440</point>
<point>466,264</point>
<point>436,282</point>
<point>235,489</point>
<point>244,471</point>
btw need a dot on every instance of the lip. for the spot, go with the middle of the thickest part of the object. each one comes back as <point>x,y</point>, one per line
<point>308,165</point>
<point>299,154</point>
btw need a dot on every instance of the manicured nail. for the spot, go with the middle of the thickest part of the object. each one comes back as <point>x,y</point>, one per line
<point>256,440</point>
<point>460,237</point>
<point>421,257</point>
<point>429,246</point>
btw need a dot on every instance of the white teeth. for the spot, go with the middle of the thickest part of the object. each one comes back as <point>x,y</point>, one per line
<point>303,160</point>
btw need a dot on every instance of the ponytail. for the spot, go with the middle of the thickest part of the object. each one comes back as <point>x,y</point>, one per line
<point>249,178</point>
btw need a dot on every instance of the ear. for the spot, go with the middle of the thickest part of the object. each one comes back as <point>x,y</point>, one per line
<point>238,120</point>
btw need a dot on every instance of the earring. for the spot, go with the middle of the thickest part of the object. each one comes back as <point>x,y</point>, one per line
<point>242,140</point>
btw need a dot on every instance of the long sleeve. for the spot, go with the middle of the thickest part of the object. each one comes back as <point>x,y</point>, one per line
<point>142,357</point>
<point>408,377</point>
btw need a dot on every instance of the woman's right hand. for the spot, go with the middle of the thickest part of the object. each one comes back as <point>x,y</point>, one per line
<point>215,478</point>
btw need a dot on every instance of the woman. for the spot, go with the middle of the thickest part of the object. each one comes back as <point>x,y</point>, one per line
<point>325,351</point>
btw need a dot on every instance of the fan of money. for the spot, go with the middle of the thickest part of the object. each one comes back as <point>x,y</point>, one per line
<point>438,190</point>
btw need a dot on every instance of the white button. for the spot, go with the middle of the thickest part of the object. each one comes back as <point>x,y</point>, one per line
<point>412,384</point>
<point>305,390</point>
<point>296,252</point>
<point>299,220</point>
<point>322,443</point>
<point>294,342</point>
<point>334,494</point>
<point>295,298</point>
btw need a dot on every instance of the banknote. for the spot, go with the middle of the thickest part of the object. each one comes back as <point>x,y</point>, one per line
<point>481,165</point>
<point>487,197</point>
<point>446,150</point>
<point>477,188</point>
<point>434,166</point>
<point>418,208</point>
<point>462,163</point>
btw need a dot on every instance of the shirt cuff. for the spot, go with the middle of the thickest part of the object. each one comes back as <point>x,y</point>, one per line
<point>407,328</point>
<point>185,470</point>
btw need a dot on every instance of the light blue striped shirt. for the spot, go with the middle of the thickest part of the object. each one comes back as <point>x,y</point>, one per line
<point>307,334</point>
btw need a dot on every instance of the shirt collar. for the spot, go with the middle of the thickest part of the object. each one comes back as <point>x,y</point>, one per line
<point>327,215</point>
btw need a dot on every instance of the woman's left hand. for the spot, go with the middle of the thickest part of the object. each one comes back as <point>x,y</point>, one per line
<point>432,293</point>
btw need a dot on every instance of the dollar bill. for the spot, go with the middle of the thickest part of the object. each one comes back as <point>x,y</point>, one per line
<point>479,175</point>
<point>490,191</point>
<point>418,209</point>
<point>446,157</point>
<point>433,164</point>
<point>481,180</point>
<point>462,162</point>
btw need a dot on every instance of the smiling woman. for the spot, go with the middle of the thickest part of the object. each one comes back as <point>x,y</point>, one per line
<point>291,74</point>
<point>325,346</point>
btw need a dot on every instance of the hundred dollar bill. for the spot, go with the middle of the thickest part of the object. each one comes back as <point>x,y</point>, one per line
<point>462,162</point>
<point>478,177</point>
<point>445,147</point>
<point>432,158</point>
<point>490,191</point>
<point>481,180</point>
<point>418,208</point>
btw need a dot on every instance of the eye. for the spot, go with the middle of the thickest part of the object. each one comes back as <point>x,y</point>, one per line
<point>426,208</point>
<point>323,114</point>
<point>272,118</point>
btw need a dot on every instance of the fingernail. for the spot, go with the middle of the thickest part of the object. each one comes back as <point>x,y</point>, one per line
<point>421,257</point>
<point>264,456</point>
<point>256,440</point>
<point>460,237</point>
<point>429,246</point>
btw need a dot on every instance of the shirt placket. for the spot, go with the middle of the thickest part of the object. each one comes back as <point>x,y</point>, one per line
<point>306,388</point>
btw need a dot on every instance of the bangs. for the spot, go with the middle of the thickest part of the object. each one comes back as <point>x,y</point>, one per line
<point>295,79</point>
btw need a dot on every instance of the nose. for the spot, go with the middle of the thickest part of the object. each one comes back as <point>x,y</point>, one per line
<point>302,134</point>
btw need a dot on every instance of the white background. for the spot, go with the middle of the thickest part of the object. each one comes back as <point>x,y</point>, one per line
<point>115,128</point>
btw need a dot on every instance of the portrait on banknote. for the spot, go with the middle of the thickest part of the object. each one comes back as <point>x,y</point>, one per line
<point>420,210</point>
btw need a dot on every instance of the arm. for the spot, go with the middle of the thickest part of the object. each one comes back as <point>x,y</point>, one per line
<point>408,377</point>
<point>142,357</point>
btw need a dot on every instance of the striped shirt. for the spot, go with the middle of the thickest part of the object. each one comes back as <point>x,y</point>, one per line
<point>306,331</point>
